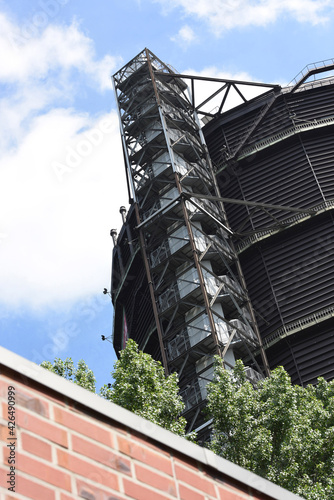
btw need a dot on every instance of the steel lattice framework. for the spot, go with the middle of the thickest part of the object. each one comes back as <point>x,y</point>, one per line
<point>180,267</point>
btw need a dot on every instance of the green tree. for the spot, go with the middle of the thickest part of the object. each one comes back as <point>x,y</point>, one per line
<point>280,431</point>
<point>140,386</point>
<point>80,375</point>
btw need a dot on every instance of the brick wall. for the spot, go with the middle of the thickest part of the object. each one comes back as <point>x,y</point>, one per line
<point>71,444</point>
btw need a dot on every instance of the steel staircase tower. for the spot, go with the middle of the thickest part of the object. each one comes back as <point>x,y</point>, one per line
<point>200,304</point>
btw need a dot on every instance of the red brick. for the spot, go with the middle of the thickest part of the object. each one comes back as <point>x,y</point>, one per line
<point>138,492</point>
<point>158,481</point>
<point>3,477</point>
<point>145,455</point>
<point>64,496</point>
<point>86,490</point>
<point>51,396</point>
<point>135,437</point>
<point>44,472</point>
<point>87,469</point>
<point>102,455</point>
<point>196,480</point>
<point>36,446</point>
<point>41,428</point>
<point>83,426</point>
<point>188,494</point>
<point>32,403</point>
<point>29,391</point>
<point>5,382</point>
<point>187,464</point>
<point>6,452</point>
<point>3,432</point>
<point>235,488</point>
<point>227,494</point>
<point>30,489</point>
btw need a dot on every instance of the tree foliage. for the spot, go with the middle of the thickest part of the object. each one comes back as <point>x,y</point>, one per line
<point>80,375</point>
<point>280,431</point>
<point>140,386</point>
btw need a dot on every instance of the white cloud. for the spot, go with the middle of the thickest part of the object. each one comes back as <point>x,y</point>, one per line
<point>57,246</point>
<point>54,230</point>
<point>57,48</point>
<point>228,14</point>
<point>185,36</point>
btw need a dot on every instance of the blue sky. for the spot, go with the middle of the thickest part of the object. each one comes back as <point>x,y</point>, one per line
<point>61,169</point>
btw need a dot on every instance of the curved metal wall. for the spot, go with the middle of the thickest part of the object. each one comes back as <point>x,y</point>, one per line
<point>130,293</point>
<point>287,257</point>
<point>307,354</point>
<point>291,275</point>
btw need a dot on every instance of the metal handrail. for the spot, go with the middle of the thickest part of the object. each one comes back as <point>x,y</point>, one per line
<point>260,235</point>
<point>300,324</point>
<point>310,67</point>
<point>264,143</point>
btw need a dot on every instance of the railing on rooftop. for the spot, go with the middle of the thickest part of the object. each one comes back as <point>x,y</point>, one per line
<point>310,67</point>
